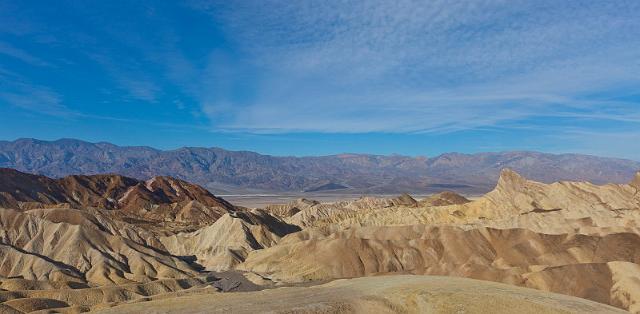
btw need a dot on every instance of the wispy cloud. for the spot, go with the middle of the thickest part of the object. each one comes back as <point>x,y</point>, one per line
<point>620,142</point>
<point>11,51</point>
<point>128,75</point>
<point>36,99</point>
<point>562,70</point>
<point>405,66</point>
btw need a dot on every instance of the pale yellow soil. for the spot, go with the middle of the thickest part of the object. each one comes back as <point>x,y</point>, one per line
<point>382,294</point>
<point>574,238</point>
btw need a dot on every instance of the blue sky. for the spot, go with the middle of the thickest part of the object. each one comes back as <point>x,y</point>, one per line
<point>324,77</point>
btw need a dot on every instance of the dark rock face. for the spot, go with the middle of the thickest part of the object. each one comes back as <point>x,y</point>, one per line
<point>404,200</point>
<point>159,198</point>
<point>220,170</point>
<point>443,199</point>
<point>327,187</point>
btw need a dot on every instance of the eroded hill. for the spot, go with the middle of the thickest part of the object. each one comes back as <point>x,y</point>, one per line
<point>91,242</point>
<point>157,200</point>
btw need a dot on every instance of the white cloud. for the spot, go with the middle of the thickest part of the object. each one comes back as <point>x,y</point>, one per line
<point>405,66</point>
<point>11,51</point>
<point>34,98</point>
<point>128,75</point>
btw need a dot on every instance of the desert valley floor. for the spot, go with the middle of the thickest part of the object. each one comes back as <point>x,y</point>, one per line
<point>114,244</point>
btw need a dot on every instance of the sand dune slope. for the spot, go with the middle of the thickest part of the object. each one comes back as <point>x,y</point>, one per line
<point>384,294</point>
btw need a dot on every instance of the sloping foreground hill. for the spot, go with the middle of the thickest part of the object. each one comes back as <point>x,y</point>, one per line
<point>384,294</point>
<point>230,171</point>
<point>600,268</point>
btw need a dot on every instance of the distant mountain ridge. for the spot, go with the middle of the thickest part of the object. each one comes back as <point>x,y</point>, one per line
<point>224,171</point>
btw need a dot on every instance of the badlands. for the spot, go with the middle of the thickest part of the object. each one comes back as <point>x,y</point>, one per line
<point>120,245</point>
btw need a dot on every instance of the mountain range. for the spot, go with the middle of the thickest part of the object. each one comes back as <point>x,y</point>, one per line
<point>223,171</point>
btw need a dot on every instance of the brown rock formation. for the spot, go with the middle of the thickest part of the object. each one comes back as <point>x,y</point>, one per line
<point>443,199</point>
<point>157,199</point>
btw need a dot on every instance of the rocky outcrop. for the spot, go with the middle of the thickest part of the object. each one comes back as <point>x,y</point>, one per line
<point>291,208</point>
<point>404,200</point>
<point>157,199</point>
<point>514,193</point>
<point>443,199</point>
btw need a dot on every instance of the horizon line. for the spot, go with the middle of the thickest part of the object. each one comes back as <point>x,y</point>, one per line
<point>312,156</point>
